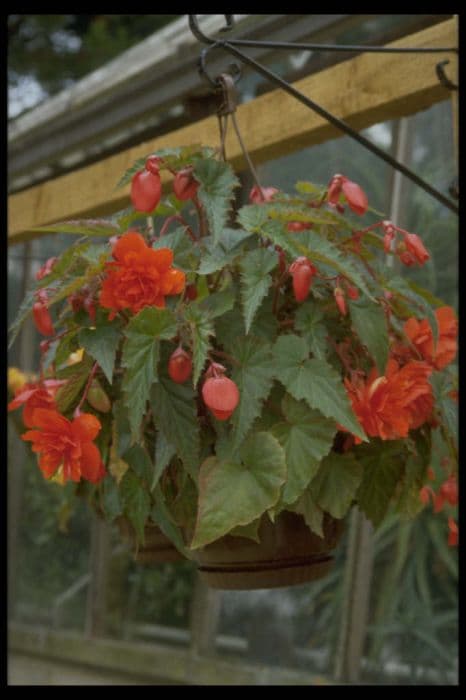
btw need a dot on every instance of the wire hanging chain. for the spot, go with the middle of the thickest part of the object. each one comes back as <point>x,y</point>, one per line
<point>231,47</point>
<point>227,109</point>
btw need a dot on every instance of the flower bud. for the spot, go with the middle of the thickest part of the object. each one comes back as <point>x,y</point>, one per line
<point>146,190</point>
<point>180,365</point>
<point>185,185</point>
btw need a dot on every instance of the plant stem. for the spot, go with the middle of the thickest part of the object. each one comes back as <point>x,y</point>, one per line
<point>88,386</point>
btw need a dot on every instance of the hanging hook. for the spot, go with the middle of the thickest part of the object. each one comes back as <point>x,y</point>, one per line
<point>446,82</point>
<point>194,26</point>
<point>233,69</point>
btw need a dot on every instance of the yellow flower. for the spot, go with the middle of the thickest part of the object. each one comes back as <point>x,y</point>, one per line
<point>16,379</point>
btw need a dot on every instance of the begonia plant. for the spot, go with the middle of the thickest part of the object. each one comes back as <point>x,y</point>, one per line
<point>205,365</point>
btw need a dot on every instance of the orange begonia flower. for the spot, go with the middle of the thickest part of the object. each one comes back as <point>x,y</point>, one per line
<point>141,276</point>
<point>389,406</point>
<point>420,335</point>
<point>59,441</point>
<point>41,395</point>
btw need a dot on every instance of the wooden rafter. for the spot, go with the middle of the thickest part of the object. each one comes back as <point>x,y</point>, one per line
<point>363,91</point>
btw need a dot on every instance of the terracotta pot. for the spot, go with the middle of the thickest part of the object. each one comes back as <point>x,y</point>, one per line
<point>288,554</point>
<point>157,548</point>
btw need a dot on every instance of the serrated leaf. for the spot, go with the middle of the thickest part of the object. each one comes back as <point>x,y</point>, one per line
<point>23,312</point>
<point>287,211</point>
<point>336,483</point>
<point>255,267</point>
<point>233,493</point>
<point>83,227</point>
<point>185,252</point>
<point>253,375</point>
<point>76,380</point>
<point>409,503</point>
<point>250,531</point>
<point>162,517</point>
<point>101,343</point>
<point>140,357</point>
<point>217,182</point>
<point>139,461</point>
<point>218,303</point>
<point>164,451</point>
<point>175,415</point>
<point>370,324</point>
<point>68,286</point>
<point>315,381</point>
<point>202,329</point>
<point>320,250</point>
<point>309,320</point>
<point>383,464</point>
<point>136,502</point>
<point>66,261</point>
<point>110,498</point>
<point>306,436</point>
<point>312,514</point>
<point>67,345</point>
<point>128,174</point>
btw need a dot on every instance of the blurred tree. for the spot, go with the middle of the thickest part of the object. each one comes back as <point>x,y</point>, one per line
<point>56,50</point>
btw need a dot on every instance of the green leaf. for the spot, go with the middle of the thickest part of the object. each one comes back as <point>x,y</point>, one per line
<point>253,376</point>
<point>309,321</point>
<point>185,252</point>
<point>24,310</point>
<point>336,483</point>
<point>218,303</point>
<point>162,517</point>
<point>383,463</point>
<point>255,280</point>
<point>289,211</point>
<point>111,502</point>
<point>253,218</point>
<point>76,376</point>
<point>175,416</point>
<point>409,503</point>
<point>320,250</point>
<point>312,514</point>
<point>66,261</point>
<point>164,452</point>
<point>136,502</point>
<point>370,324</point>
<point>305,187</point>
<point>217,182</point>
<point>86,227</point>
<point>250,531</point>
<point>201,329</point>
<point>101,343</point>
<point>140,357</point>
<point>306,436</point>
<point>67,345</point>
<point>138,459</point>
<point>314,380</point>
<point>233,493</point>
<point>221,253</point>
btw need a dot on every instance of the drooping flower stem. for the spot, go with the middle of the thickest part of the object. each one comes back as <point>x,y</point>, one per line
<point>87,387</point>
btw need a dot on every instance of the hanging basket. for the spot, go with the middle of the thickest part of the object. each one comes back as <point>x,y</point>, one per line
<point>157,548</point>
<point>288,554</point>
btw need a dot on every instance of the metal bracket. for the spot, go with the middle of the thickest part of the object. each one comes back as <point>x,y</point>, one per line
<point>231,46</point>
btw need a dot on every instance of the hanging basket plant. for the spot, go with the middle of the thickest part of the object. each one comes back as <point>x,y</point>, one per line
<point>241,380</point>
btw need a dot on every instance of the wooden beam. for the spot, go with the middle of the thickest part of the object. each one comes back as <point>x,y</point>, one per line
<point>365,90</point>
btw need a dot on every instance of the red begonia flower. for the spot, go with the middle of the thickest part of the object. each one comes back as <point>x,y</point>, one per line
<point>59,441</point>
<point>141,276</point>
<point>41,395</point>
